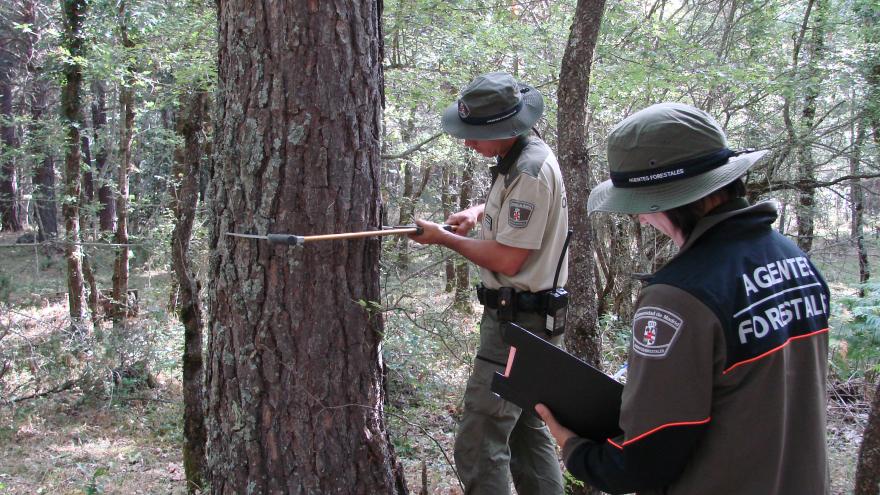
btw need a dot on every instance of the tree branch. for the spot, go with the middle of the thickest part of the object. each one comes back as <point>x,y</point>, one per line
<point>410,151</point>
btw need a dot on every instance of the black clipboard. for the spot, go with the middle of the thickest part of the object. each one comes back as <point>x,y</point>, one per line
<point>582,398</point>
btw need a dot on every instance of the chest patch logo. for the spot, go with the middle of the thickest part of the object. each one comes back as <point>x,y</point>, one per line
<point>519,213</point>
<point>654,331</point>
<point>487,221</point>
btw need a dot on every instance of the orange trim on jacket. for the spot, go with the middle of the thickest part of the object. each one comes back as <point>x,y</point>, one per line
<point>655,430</point>
<point>771,351</point>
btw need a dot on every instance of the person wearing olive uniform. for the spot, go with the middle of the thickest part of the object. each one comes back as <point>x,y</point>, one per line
<point>725,392</point>
<point>523,226</point>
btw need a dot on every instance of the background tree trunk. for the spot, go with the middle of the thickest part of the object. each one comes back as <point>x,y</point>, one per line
<point>581,337</point>
<point>295,384</point>
<point>10,202</point>
<point>184,199</point>
<point>72,19</point>
<point>126,108</point>
<point>868,468</point>
<point>106,198</point>
<point>857,206</point>
<point>462,265</point>
<point>447,200</point>
<point>45,206</point>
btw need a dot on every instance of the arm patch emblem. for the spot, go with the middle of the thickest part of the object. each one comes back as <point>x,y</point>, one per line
<point>654,331</point>
<point>519,213</point>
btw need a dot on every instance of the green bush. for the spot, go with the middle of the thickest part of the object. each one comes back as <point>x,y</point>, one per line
<point>856,335</point>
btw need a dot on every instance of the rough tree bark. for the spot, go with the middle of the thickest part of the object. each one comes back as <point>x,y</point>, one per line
<point>857,205</point>
<point>45,207</point>
<point>295,384</point>
<point>107,210</point>
<point>10,202</point>
<point>801,135</point>
<point>119,306</point>
<point>582,337</point>
<point>184,199</point>
<point>868,468</point>
<point>463,289</point>
<point>447,199</point>
<point>72,19</point>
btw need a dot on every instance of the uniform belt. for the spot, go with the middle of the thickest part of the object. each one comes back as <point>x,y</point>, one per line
<point>530,302</point>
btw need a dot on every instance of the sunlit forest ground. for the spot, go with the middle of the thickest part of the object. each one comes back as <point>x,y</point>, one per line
<point>110,436</point>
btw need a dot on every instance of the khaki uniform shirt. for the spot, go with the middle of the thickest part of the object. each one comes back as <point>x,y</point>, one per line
<point>527,208</point>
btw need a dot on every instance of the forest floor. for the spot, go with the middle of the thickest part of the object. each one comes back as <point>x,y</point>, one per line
<point>74,441</point>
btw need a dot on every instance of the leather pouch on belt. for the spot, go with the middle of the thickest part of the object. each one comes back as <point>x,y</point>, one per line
<point>506,304</point>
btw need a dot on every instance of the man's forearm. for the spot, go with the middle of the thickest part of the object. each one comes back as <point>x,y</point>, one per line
<point>488,254</point>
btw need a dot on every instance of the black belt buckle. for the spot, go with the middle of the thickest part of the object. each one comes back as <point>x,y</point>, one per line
<point>506,304</point>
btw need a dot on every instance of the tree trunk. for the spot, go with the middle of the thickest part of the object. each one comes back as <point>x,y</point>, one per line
<point>806,211</point>
<point>10,202</point>
<point>107,210</point>
<point>184,199</point>
<point>582,337</point>
<point>45,207</point>
<point>446,200</point>
<point>857,206</point>
<point>295,383</point>
<point>88,186</point>
<point>868,468</point>
<point>72,19</point>
<point>462,300</point>
<point>119,306</point>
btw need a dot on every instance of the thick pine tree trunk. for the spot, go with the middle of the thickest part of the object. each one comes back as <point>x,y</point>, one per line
<point>185,197</point>
<point>295,384</point>
<point>73,12</point>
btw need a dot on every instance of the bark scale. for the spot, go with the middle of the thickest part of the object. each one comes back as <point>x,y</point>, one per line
<point>294,376</point>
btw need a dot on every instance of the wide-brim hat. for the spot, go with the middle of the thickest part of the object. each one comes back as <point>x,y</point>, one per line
<point>665,156</point>
<point>493,106</point>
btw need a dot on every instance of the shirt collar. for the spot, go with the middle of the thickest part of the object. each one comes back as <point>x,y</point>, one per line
<point>504,163</point>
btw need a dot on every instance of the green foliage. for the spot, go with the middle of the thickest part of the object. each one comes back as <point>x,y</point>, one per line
<point>93,488</point>
<point>856,336</point>
<point>5,288</point>
<point>572,484</point>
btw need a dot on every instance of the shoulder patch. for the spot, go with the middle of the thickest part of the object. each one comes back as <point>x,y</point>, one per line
<point>519,213</point>
<point>654,330</point>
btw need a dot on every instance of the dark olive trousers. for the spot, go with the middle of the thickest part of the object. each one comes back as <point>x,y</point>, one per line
<point>496,441</point>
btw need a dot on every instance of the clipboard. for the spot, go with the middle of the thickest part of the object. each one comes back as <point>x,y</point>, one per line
<point>582,398</point>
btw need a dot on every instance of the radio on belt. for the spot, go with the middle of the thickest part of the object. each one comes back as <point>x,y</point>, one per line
<point>556,303</point>
<point>557,311</point>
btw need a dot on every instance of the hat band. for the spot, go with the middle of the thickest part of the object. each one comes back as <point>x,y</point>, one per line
<point>674,172</point>
<point>491,119</point>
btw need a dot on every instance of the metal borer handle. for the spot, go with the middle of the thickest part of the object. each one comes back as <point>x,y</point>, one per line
<point>289,239</point>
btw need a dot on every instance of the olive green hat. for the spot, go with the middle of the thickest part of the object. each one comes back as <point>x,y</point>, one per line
<point>493,106</point>
<point>666,156</point>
